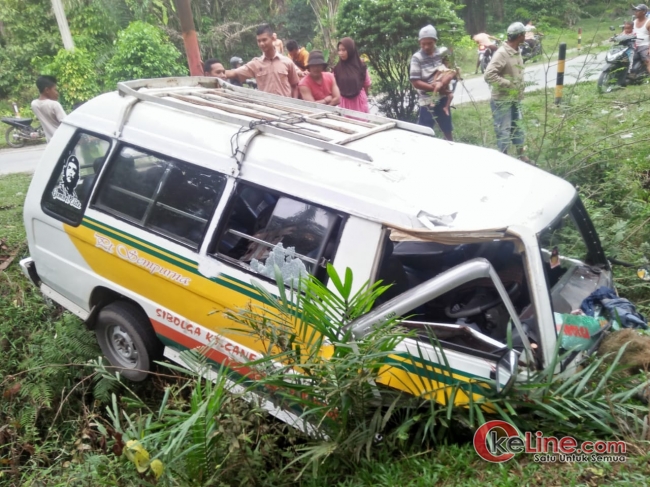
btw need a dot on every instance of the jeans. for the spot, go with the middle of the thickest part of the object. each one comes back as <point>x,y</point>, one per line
<point>431,115</point>
<point>507,124</point>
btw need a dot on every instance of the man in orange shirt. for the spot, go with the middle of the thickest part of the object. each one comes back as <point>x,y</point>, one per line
<point>273,72</point>
<point>298,55</point>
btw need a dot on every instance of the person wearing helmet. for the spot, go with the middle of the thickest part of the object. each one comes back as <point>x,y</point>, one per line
<point>505,75</point>
<point>424,69</point>
<point>235,62</point>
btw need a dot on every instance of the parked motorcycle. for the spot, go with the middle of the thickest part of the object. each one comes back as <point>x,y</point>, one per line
<point>527,52</point>
<point>616,72</point>
<point>20,130</point>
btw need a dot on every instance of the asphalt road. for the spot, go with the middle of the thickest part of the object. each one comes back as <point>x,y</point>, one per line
<point>537,76</point>
<point>20,160</point>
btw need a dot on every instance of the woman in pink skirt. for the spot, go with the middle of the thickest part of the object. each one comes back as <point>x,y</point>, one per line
<point>352,77</point>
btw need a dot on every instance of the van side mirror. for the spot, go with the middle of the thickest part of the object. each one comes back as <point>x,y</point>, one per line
<point>509,361</point>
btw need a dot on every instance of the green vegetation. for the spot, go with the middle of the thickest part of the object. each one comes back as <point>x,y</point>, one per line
<point>143,51</point>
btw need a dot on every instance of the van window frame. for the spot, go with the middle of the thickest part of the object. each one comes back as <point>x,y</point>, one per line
<point>211,250</point>
<point>93,204</point>
<point>56,172</point>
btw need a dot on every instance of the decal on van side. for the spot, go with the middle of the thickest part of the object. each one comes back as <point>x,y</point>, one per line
<point>131,255</point>
<point>66,191</point>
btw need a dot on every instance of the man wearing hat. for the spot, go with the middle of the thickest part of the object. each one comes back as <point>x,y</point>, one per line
<point>642,31</point>
<point>424,65</point>
<point>505,75</point>
<point>319,86</point>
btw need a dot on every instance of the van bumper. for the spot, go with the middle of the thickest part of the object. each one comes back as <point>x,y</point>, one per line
<point>28,267</point>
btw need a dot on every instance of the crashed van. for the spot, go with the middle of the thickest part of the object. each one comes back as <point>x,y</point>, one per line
<point>154,208</point>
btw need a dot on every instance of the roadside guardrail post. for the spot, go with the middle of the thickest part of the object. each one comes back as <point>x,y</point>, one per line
<point>579,39</point>
<point>559,83</point>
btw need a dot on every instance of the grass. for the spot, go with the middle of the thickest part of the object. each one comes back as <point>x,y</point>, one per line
<point>48,408</point>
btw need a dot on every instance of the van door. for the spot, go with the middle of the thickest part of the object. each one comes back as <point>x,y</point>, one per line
<point>260,229</point>
<point>444,354</point>
<point>63,203</point>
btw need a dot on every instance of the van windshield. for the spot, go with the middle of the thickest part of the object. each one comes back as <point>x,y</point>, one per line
<point>573,259</point>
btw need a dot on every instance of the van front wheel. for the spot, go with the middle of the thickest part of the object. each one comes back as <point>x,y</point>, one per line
<point>128,340</point>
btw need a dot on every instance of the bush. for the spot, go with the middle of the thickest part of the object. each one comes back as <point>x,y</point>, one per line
<point>387,32</point>
<point>143,51</point>
<point>76,75</point>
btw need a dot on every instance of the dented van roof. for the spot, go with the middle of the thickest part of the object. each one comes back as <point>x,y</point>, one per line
<point>383,170</point>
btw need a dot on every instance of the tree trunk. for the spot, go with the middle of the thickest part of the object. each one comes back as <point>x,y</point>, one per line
<point>498,9</point>
<point>184,10</point>
<point>474,15</point>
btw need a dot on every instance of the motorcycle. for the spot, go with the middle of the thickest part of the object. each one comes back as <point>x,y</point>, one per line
<point>527,52</point>
<point>617,70</point>
<point>20,130</point>
<point>485,56</point>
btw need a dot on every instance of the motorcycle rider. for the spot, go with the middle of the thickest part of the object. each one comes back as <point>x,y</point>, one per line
<point>486,41</point>
<point>530,35</point>
<point>642,31</point>
<point>628,29</point>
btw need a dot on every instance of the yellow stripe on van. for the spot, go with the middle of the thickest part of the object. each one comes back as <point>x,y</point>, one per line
<point>174,281</point>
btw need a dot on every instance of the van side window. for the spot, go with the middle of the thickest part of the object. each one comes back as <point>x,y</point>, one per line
<point>169,197</point>
<point>261,223</point>
<point>73,178</point>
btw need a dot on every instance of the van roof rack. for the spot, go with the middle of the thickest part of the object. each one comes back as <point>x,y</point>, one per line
<point>290,118</point>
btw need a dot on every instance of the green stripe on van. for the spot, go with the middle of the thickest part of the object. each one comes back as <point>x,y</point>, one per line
<point>176,260</point>
<point>417,366</point>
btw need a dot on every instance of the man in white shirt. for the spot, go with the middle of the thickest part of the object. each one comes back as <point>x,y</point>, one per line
<point>642,31</point>
<point>46,107</point>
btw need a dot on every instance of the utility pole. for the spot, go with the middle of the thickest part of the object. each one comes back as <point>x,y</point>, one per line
<point>59,13</point>
<point>190,40</point>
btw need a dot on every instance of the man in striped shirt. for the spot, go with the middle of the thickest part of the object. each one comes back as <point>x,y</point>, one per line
<point>424,64</point>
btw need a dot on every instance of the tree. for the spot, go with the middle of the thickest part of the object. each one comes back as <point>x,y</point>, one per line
<point>474,14</point>
<point>143,51</point>
<point>387,32</point>
<point>76,74</point>
<point>326,12</point>
<point>29,36</point>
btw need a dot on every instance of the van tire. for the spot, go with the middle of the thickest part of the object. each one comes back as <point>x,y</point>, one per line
<point>128,340</point>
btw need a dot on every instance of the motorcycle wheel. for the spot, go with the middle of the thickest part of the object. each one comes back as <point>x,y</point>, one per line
<point>11,141</point>
<point>607,80</point>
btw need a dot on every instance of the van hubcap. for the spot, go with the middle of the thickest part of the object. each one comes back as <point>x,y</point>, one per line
<point>123,346</point>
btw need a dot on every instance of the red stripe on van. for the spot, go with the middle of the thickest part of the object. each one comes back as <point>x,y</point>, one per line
<point>212,354</point>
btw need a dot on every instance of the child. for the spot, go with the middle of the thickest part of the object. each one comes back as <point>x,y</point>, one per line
<point>628,29</point>
<point>46,107</point>
<point>441,81</point>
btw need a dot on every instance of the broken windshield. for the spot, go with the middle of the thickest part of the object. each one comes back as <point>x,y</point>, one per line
<point>573,259</point>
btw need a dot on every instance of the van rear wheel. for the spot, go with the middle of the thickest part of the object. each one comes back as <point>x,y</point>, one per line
<point>128,340</point>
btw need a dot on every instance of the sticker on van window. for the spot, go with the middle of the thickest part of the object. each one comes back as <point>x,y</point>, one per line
<point>66,191</point>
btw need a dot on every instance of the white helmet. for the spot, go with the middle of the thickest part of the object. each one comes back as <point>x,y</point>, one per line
<point>428,32</point>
